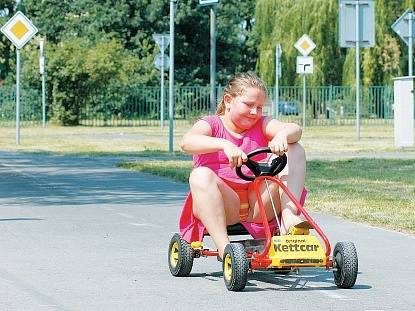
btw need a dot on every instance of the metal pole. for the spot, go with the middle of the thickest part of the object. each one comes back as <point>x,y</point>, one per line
<point>410,62</point>
<point>44,99</point>
<point>304,100</point>
<point>212,58</point>
<point>277,71</point>
<point>171,74</point>
<point>357,72</point>
<point>162,85</point>
<point>17,96</point>
<point>42,72</point>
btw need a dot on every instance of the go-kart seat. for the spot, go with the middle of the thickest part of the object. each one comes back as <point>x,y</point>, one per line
<point>236,229</point>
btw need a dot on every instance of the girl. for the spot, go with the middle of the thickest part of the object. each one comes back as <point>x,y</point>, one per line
<point>219,143</point>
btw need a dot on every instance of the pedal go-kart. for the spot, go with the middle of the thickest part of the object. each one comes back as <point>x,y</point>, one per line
<point>281,253</point>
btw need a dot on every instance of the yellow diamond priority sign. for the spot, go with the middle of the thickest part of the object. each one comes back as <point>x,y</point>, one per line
<point>305,45</point>
<point>19,29</point>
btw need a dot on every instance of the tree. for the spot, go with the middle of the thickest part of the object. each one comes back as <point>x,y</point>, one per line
<point>133,23</point>
<point>81,71</point>
<point>284,22</point>
<point>6,11</point>
<point>382,62</point>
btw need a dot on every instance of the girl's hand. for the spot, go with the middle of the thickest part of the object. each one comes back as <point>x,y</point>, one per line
<point>279,144</point>
<point>235,155</point>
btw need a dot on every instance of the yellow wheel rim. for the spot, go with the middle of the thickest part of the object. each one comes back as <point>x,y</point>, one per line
<point>227,267</point>
<point>174,254</point>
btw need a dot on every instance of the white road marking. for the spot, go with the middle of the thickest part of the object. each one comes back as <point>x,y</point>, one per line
<point>334,295</point>
<point>108,208</point>
<point>145,225</point>
<point>125,215</point>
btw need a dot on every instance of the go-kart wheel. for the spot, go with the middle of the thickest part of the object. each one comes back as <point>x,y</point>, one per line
<point>346,264</point>
<point>235,267</point>
<point>180,256</point>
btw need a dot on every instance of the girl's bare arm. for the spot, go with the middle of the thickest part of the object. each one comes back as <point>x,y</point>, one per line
<point>280,134</point>
<point>199,140</point>
<point>274,127</point>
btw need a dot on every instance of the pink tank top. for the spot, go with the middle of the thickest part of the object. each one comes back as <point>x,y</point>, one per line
<point>252,139</point>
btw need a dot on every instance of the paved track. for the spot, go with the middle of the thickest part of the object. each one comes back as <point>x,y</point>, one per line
<point>78,233</point>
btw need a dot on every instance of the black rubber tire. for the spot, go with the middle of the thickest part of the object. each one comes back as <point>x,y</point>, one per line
<point>235,267</point>
<point>180,256</point>
<point>346,264</point>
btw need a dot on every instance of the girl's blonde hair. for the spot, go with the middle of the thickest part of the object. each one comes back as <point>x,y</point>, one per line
<point>237,87</point>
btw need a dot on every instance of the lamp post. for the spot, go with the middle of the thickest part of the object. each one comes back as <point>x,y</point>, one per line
<point>171,74</point>
<point>213,4</point>
<point>212,58</point>
<point>278,52</point>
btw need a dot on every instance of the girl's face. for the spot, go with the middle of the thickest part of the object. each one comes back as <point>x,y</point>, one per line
<point>245,110</point>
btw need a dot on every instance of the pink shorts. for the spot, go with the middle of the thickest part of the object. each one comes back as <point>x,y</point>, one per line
<point>242,191</point>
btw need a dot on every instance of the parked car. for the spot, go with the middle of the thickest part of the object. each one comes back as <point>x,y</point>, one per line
<point>287,108</point>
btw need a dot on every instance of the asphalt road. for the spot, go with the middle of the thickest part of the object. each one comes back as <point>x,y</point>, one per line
<point>78,233</point>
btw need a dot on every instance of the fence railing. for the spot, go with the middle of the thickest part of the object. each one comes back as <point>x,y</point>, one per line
<point>141,106</point>
<point>30,106</point>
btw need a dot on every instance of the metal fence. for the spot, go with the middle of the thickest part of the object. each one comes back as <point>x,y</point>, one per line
<point>141,106</point>
<point>30,106</point>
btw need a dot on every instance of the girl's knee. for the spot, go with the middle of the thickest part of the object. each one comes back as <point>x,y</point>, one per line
<point>202,176</point>
<point>296,152</point>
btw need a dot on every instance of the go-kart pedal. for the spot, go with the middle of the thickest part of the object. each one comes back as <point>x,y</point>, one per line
<point>298,231</point>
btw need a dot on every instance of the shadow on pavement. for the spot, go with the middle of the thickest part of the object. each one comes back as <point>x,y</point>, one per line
<point>306,280</point>
<point>76,181</point>
<point>19,219</point>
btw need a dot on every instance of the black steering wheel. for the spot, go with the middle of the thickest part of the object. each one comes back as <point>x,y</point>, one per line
<point>262,169</point>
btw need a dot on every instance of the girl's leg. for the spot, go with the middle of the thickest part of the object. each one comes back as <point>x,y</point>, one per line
<point>293,176</point>
<point>254,214</point>
<point>215,204</point>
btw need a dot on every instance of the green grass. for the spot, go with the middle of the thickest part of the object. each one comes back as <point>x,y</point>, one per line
<point>380,192</point>
<point>375,191</point>
<point>177,170</point>
<point>144,140</point>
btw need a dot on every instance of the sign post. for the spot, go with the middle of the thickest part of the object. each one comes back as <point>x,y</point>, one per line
<point>208,2</point>
<point>19,29</point>
<point>357,30</point>
<point>161,62</point>
<point>304,64</point>
<point>404,27</point>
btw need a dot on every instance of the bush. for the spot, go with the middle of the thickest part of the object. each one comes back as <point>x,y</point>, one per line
<point>81,73</point>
